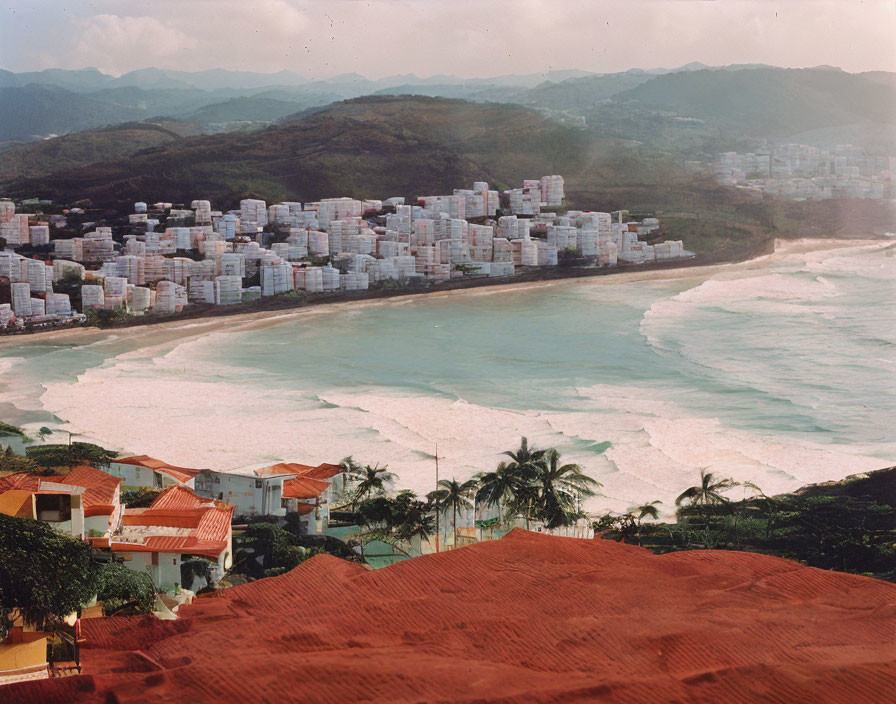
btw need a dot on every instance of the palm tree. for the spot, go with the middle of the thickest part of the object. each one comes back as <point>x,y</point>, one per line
<point>452,494</point>
<point>350,470</point>
<point>707,493</point>
<point>496,487</point>
<point>524,459</point>
<point>639,513</point>
<point>559,487</point>
<point>372,481</point>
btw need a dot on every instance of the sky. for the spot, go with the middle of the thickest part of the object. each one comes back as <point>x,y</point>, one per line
<point>470,38</point>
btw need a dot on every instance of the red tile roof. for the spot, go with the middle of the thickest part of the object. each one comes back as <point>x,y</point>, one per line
<point>179,474</point>
<point>207,520</point>
<point>304,488</point>
<point>283,468</point>
<point>529,618</point>
<point>321,471</point>
<point>33,483</point>
<point>100,489</point>
<point>324,471</point>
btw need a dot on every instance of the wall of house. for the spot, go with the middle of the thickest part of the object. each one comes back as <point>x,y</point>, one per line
<point>100,524</point>
<point>245,492</point>
<point>22,651</point>
<point>168,570</point>
<point>134,475</point>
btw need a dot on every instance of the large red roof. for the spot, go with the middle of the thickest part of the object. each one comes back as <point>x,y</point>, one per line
<point>530,618</point>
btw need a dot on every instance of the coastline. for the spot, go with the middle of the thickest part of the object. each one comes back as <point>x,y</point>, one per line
<point>238,318</point>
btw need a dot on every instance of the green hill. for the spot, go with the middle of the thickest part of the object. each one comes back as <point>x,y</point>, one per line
<point>252,109</point>
<point>373,147</point>
<point>82,148</point>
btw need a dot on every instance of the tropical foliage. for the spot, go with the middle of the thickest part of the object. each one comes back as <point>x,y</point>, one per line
<point>61,455</point>
<point>44,574</point>
<point>265,550</point>
<point>452,495</point>
<point>848,526</point>
<point>119,587</point>
<point>11,462</point>
<point>537,486</point>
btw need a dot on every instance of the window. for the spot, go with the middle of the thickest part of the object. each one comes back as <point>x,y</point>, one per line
<point>217,479</point>
<point>258,483</point>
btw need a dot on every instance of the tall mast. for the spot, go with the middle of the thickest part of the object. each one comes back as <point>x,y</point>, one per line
<point>437,498</point>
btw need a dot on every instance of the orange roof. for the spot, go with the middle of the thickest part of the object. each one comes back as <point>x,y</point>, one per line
<point>324,471</point>
<point>206,520</point>
<point>100,489</point>
<point>16,503</point>
<point>304,488</point>
<point>32,484</point>
<point>179,474</point>
<point>181,497</point>
<point>303,509</point>
<point>321,471</point>
<point>283,468</point>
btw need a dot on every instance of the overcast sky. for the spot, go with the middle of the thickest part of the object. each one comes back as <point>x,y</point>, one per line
<point>321,38</point>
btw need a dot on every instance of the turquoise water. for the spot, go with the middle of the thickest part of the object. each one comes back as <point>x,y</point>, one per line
<point>781,372</point>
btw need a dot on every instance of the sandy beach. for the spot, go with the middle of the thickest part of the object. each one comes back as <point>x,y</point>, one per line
<point>169,330</point>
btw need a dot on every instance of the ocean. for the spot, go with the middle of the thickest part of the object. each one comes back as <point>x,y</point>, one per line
<point>781,371</point>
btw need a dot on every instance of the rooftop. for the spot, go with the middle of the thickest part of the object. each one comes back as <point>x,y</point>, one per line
<point>529,618</point>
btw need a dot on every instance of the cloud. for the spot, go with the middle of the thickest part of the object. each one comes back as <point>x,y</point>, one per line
<point>465,37</point>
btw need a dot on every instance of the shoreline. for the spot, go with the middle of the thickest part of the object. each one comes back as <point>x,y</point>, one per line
<point>275,309</point>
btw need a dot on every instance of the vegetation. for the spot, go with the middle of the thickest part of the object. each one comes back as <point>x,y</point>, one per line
<point>848,525</point>
<point>106,318</point>
<point>370,481</point>
<point>452,495</point>
<point>59,455</point>
<point>44,574</point>
<point>11,462</point>
<point>536,486</point>
<point>121,588</point>
<point>265,549</point>
<point>140,497</point>
<point>7,429</point>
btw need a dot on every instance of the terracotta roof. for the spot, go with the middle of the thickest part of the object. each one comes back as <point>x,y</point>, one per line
<point>179,474</point>
<point>274,470</point>
<point>324,471</point>
<point>321,471</point>
<point>304,488</point>
<point>100,489</point>
<point>33,484</point>
<point>16,503</point>
<point>528,618</point>
<point>205,524</point>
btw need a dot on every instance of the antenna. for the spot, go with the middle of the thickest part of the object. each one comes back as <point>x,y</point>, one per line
<point>438,530</point>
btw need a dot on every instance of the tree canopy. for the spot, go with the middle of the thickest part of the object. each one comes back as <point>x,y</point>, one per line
<point>43,573</point>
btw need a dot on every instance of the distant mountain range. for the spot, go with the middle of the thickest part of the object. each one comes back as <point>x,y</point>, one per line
<point>42,104</point>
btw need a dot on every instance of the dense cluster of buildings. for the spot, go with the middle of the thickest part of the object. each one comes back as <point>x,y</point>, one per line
<point>801,172</point>
<point>166,258</point>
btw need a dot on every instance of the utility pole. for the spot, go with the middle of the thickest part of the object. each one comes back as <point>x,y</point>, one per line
<point>437,498</point>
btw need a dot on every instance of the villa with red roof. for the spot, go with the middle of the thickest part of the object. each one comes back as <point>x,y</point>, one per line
<point>278,489</point>
<point>177,525</point>
<point>86,502</point>
<point>142,471</point>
